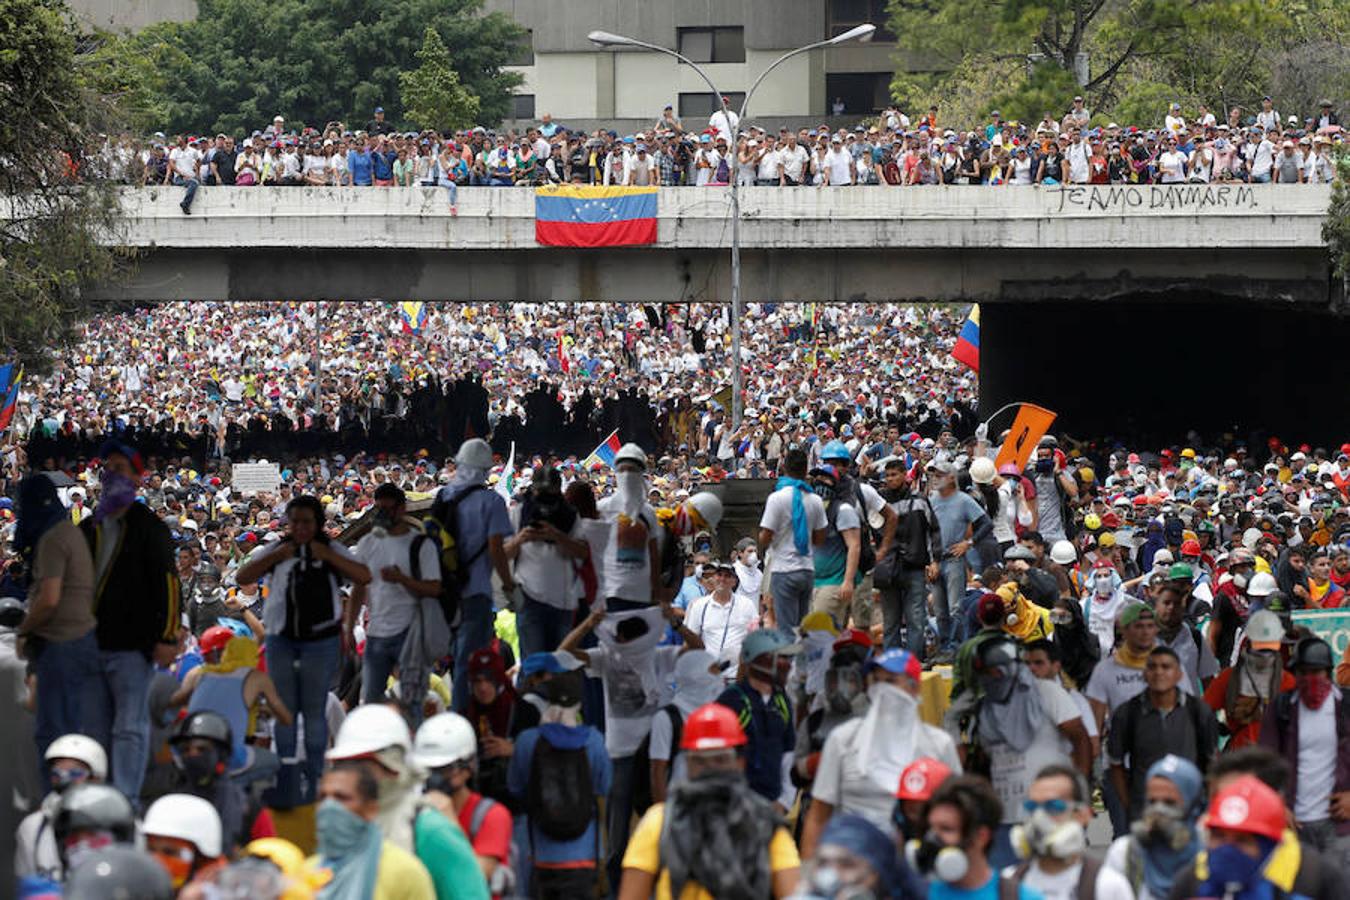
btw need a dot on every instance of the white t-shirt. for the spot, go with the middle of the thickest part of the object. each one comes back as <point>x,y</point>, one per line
<point>1079,156</point>
<point>628,715</point>
<point>1263,158</point>
<point>1172,165</point>
<point>1118,860</point>
<point>726,124</point>
<point>659,748</point>
<point>392,605</point>
<point>778,519</point>
<point>768,165</point>
<point>842,783</point>
<point>794,161</point>
<point>704,175</point>
<point>839,165</point>
<point>545,574</point>
<point>1110,884</point>
<point>721,626</point>
<point>184,161</point>
<point>1316,761</point>
<point>1113,684</point>
<point>1012,771</point>
<point>626,563</point>
<point>274,607</point>
<point>1084,713</point>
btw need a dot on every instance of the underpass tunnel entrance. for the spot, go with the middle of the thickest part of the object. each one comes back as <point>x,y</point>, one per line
<point>1150,371</point>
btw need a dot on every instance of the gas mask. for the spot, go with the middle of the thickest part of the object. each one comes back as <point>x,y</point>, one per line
<point>999,684</point>
<point>1045,466</point>
<point>842,685</point>
<point>1104,585</point>
<point>1240,580</point>
<point>200,769</point>
<point>933,859</point>
<point>1161,825</point>
<point>1041,835</point>
<point>824,490</point>
<point>1061,617</point>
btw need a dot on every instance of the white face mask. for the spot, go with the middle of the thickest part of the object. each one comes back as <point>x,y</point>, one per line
<point>631,487</point>
<point>751,559</point>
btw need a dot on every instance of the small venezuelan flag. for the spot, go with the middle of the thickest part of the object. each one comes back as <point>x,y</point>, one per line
<point>967,349</point>
<point>577,215</point>
<point>605,453</point>
<point>414,315</point>
<point>9,384</point>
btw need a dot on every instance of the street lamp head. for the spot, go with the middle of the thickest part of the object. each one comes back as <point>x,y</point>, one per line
<point>859,33</point>
<point>606,39</point>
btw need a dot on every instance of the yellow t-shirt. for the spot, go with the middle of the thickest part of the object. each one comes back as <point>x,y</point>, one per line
<point>644,854</point>
<point>401,876</point>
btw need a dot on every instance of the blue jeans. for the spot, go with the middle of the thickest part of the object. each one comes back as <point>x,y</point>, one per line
<point>1261,179</point>
<point>474,632</point>
<point>791,593</point>
<point>191,185</point>
<point>378,663</point>
<point>65,671</point>
<point>303,672</point>
<point>906,605</point>
<point>947,594</point>
<point>541,627</point>
<point>116,710</point>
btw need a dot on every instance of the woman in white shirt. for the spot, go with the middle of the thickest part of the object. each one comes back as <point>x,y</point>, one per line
<point>1019,170</point>
<point>339,174</point>
<point>316,166</point>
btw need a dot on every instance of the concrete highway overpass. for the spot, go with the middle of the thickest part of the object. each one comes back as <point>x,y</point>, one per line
<point>858,244</point>
<point>1099,302</point>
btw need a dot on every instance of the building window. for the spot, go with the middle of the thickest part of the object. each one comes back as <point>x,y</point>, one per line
<point>713,45</point>
<point>846,14</point>
<point>522,54</point>
<point>860,93</point>
<point>703,105</point>
<point>522,106</point>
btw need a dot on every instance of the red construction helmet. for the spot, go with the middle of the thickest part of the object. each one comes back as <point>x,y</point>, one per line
<point>1190,548</point>
<point>214,638</point>
<point>712,727</point>
<point>921,778</point>
<point>1249,805</point>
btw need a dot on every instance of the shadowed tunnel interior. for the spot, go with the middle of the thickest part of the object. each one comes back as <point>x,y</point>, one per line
<point>1154,370</point>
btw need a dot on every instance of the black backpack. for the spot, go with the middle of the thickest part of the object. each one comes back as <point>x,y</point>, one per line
<point>912,536</point>
<point>309,599</point>
<point>642,760</point>
<point>867,538</point>
<point>560,799</point>
<point>442,528</point>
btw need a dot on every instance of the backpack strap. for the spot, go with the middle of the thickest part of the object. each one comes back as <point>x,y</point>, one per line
<point>1087,877</point>
<point>415,553</point>
<point>676,729</point>
<point>480,814</point>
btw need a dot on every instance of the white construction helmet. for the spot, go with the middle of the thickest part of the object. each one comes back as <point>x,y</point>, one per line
<point>1262,585</point>
<point>631,453</point>
<point>80,748</point>
<point>186,818</point>
<point>1062,552</point>
<point>369,729</point>
<point>709,508</point>
<point>982,470</point>
<point>474,453</point>
<point>444,740</point>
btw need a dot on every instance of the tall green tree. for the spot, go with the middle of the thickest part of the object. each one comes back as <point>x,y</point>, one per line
<point>55,210</point>
<point>321,61</point>
<point>1052,49</point>
<point>432,95</point>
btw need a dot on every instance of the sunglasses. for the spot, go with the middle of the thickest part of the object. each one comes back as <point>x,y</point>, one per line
<point>1053,807</point>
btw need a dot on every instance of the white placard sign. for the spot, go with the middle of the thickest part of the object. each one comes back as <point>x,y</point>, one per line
<point>248,478</point>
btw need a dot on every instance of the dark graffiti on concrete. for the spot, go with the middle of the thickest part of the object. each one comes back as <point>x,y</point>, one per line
<point>1181,197</point>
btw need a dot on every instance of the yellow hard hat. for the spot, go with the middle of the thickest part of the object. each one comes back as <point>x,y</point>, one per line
<point>1188,453</point>
<point>819,621</point>
<point>1092,521</point>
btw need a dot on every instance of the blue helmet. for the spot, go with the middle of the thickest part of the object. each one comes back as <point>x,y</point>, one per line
<point>836,450</point>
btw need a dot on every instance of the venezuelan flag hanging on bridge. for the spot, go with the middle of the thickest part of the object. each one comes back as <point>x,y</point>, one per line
<point>578,215</point>
<point>414,316</point>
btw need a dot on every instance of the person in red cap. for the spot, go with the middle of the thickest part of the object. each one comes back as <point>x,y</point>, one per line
<point>723,839</point>
<point>917,784</point>
<point>863,759</point>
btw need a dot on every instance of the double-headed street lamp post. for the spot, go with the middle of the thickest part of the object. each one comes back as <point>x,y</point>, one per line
<point>605,39</point>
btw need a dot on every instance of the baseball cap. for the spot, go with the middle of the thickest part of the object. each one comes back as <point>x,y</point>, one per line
<point>853,637</point>
<point>765,641</point>
<point>898,661</point>
<point>554,663</point>
<point>1133,613</point>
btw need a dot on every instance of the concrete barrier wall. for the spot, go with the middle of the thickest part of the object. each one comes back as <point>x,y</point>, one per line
<point>1009,217</point>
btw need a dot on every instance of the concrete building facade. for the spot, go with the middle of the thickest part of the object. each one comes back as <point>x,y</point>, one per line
<point>583,85</point>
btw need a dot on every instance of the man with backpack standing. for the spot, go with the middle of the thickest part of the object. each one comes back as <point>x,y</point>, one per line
<point>911,563</point>
<point>1310,728</point>
<point>560,770</point>
<point>391,550</point>
<point>476,518</point>
<point>447,747</point>
<point>838,558</point>
<point>866,504</point>
<point>763,708</point>
<point>793,520</point>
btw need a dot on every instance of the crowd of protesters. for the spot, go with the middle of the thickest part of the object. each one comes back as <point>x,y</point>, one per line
<point>890,150</point>
<point>568,681</point>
